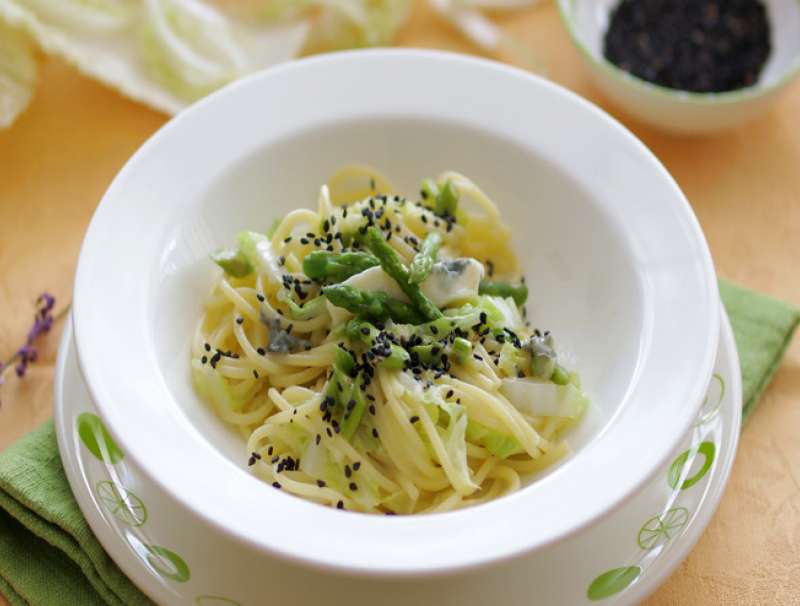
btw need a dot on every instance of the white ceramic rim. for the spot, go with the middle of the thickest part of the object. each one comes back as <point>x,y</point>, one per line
<point>305,532</point>
<point>711,501</point>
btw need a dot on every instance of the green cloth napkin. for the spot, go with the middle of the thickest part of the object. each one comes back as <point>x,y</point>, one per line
<point>48,554</point>
<point>763,328</point>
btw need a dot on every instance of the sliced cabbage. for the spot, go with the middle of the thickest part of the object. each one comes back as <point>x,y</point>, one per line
<point>451,423</point>
<point>257,248</point>
<point>544,399</point>
<point>190,47</point>
<point>500,444</point>
<point>318,463</point>
<point>357,23</point>
<point>210,385</point>
<point>454,437</point>
<point>86,15</point>
<point>512,360</point>
<point>501,313</point>
<point>17,74</point>
<point>265,10</point>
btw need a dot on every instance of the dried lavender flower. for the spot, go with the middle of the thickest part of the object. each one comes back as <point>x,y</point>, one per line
<point>42,323</point>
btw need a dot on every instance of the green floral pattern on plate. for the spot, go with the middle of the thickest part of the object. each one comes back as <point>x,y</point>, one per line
<point>712,403</point>
<point>168,564</point>
<point>97,440</point>
<point>661,528</point>
<point>686,458</point>
<point>612,582</point>
<point>121,503</point>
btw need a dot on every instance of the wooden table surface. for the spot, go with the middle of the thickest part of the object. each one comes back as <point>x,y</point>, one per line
<point>58,159</point>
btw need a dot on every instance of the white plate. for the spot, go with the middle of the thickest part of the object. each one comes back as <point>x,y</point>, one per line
<point>618,560</point>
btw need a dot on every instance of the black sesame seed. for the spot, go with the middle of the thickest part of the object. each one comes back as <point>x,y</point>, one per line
<point>261,351</point>
<point>276,484</point>
<point>414,419</point>
<point>207,347</point>
<point>356,465</point>
<point>287,240</point>
<point>321,483</point>
<point>347,471</point>
<point>353,486</point>
<point>339,505</point>
<point>255,373</point>
<point>204,359</point>
<point>374,433</point>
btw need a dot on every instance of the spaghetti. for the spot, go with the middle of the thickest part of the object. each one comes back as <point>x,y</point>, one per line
<point>375,355</point>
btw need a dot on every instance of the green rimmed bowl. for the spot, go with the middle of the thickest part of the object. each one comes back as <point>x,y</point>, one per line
<point>681,111</point>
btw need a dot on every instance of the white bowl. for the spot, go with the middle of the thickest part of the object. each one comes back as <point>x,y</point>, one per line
<point>681,111</point>
<point>179,560</point>
<point>616,261</point>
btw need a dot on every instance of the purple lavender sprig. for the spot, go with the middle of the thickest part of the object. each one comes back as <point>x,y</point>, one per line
<point>42,323</point>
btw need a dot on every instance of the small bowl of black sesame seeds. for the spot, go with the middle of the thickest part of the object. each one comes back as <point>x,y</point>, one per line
<point>688,66</point>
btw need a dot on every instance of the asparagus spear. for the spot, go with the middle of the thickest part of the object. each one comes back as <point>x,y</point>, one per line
<point>446,199</point>
<point>504,289</point>
<point>376,306</point>
<point>423,261</point>
<point>336,267</point>
<point>393,266</point>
